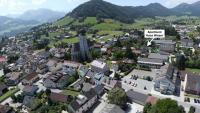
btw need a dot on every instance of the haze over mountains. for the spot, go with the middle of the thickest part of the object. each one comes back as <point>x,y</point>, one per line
<point>19,23</point>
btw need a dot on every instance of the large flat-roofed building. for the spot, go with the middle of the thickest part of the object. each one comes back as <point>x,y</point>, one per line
<point>150,63</point>
<point>159,56</point>
<point>166,45</point>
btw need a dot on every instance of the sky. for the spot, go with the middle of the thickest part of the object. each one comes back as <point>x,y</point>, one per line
<point>15,7</point>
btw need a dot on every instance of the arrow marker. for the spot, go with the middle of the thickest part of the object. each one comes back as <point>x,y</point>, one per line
<point>149,42</point>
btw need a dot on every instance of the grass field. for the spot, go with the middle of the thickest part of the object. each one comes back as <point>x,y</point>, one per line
<point>71,92</point>
<point>71,40</point>
<point>90,20</point>
<point>116,33</point>
<point>9,94</point>
<point>109,25</point>
<point>65,41</point>
<point>193,70</point>
<point>64,21</point>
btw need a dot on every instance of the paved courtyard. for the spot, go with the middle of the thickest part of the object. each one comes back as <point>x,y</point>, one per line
<point>142,73</point>
<point>135,108</point>
<point>127,83</point>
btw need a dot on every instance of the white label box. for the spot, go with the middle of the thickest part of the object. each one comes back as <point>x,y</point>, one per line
<point>154,33</point>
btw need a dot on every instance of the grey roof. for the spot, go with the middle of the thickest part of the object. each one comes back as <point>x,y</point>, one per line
<point>3,86</point>
<point>158,56</point>
<point>197,110</point>
<point>30,89</point>
<point>164,42</point>
<point>90,73</point>
<point>89,94</point>
<point>111,108</point>
<point>99,88</point>
<point>86,87</point>
<point>193,82</point>
<point>150,61</point>
<point>136,96</point>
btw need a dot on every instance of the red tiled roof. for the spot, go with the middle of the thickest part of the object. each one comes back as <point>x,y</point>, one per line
<point>3,59</point>
<point>152,100</point>
<point>31,76</point>
<point>57,97</point>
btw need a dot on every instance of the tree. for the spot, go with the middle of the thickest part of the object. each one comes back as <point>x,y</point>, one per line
<point>192,109</point>
<point>129,54</point>
<point>180,61</point>
<point>147,108</point>
<point>118,55</point>
<point>95,54</point>
<point>198,29</point>
<point>48,92</point>
<point>166,106</point>
<point>117,96</point>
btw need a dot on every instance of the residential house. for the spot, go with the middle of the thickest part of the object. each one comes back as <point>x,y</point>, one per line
<point>43,55</point>
<point>83,102</point>
<point>187,43</point>
<point>192,83</point>
<point>99,66</point>
<point>3,88</point>
<point>30,102</point>
<point>30,79</point>
<point>112,108</point>
<point>109,83</point>
<point>30,90</point>
<point>58,97</point>
<point>78,84</point>
<point>6,109</point>
<point>70,67</point>
<point>3,59</point>
<point>54,65</point>
<point>57,80</point>
<point>166,81</point>
<point>166,45</point>
<point>98,78</point>
<point>150,63</point>
<point>99,89</point>
<point>13,78</point>
<point>42,69</point>
<point>82,71</point>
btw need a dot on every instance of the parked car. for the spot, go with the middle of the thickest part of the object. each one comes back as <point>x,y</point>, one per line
<point>195,101</point>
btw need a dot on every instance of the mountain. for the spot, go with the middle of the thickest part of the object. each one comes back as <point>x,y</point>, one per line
<point>100,8</point>
<point>42,15</point>
<point>12,26</point>
<point>189,9</point>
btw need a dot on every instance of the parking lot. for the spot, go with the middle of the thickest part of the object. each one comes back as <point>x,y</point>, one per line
<point>142,73</point>
<point>137,84</point>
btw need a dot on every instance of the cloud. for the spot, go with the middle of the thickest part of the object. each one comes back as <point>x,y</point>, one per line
<point>172,3</point>
<point>12,6</point>
<point>38,2</point>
